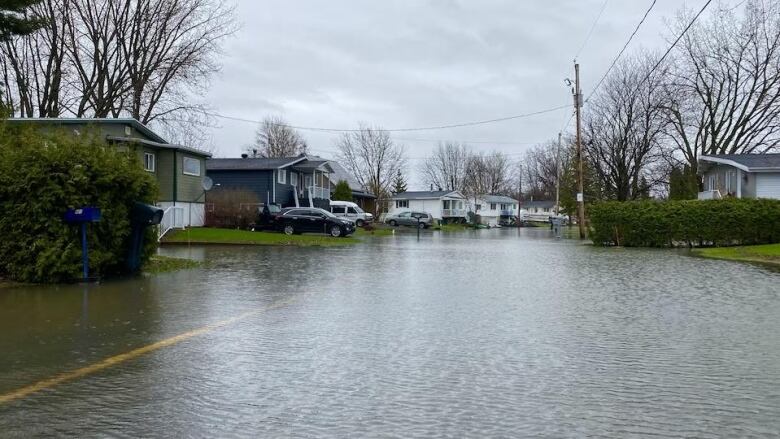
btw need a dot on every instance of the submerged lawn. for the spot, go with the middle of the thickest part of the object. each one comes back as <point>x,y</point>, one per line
<point>164,264</point>
<point>203,235</point>
<point>765,254</point>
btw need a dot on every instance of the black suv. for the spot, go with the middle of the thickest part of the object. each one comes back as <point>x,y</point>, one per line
<point>312,220</point>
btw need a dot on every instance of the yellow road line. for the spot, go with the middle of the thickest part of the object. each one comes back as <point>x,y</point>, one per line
<point>135,353</point>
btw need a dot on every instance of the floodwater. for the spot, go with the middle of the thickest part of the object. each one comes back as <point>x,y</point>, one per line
<point>491,333</point>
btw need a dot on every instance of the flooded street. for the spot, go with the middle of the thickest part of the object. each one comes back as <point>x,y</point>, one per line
<point>490,333</point>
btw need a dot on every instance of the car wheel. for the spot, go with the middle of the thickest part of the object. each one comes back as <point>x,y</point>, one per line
<point>335,231</point>
<point>421,225</point>
<point>359,223</point>
<point>289,230</point>
<point>393,223</point>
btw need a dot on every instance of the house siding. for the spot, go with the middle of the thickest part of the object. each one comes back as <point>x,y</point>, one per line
<point>260,182</point>
<point>189,187</point>
<point>719,171</point>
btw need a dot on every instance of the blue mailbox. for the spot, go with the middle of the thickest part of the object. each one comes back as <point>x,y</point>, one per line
<point>82,216</point>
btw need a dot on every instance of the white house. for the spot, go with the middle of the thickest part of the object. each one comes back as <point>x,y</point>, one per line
<point>537,210</point>
<point>442,205</point>
<point>494,210</point>
<point>740,176</point>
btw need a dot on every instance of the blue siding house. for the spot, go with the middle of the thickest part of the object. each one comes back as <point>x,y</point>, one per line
<point>289,181</point>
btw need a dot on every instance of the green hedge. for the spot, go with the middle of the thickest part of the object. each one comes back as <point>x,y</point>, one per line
<point>690,223</point>
<point>41,176</point>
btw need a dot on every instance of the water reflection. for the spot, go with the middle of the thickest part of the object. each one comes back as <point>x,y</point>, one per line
<point>485,333</point>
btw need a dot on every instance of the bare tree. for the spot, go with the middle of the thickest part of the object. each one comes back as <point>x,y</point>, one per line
<point>275,138</point>
<point>146,59</point>
<point>373,158</point>
<point>624,126</point>
<point>446,167</point>
<point>33,66</point>
<point>724,92</point>
<point>488,174</point>
<point>539,167</point>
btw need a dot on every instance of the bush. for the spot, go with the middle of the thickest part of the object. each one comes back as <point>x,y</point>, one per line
<point>692,223</point>
<point>41,176</point>
<point>231,208</point>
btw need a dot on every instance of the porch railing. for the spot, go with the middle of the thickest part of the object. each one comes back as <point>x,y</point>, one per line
<point>710,195</point>
<point>319,192</point>
<point>453,213</point>
<point>173,218</point>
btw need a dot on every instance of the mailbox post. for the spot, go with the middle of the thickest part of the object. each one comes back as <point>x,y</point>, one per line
<point>82,216</point>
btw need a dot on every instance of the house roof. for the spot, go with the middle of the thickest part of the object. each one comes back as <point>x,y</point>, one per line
<point>141,128</point>
<point>539,204</point>
<point>427,195</point>
<point>499,199</point>
<point>158,145</point>
<point>251,164</point>
<point>746,162</point>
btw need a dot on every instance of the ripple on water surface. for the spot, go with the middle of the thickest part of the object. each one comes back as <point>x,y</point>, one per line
<point>512,334</point>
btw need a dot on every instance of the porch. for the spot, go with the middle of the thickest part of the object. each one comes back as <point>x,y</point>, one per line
<point>453,209</point>
<point>311,184</point>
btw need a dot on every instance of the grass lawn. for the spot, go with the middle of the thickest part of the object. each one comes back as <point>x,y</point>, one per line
<point>765,254</point>
<point>204,235</point>
<point>164,264</point>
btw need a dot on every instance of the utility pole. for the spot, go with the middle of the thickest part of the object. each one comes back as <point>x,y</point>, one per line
<point>580,184</point>
<point>558,177</point>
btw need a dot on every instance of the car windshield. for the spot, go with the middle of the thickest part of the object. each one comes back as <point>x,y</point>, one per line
<point>358,210</point>
<point>274,208</point>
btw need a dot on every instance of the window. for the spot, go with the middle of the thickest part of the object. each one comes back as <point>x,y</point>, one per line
<point>731,182</point>
<point>504,207</point>
<point>337,209</point>
<point>293,178</point>
<point>711,183</point>
<point>401,204</point>
<point>514,206</point>
<point>492,206</point>
<point>149,162</point>
<point>351,210</point>
<point>479,207</point>
<point>191,166</point>
<point>307,180</point>
<point>405,215</point>
<point>282,176</point>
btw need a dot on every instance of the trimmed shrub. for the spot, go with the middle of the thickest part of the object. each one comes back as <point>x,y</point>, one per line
<point>41,176</point>
<point>690,223</point>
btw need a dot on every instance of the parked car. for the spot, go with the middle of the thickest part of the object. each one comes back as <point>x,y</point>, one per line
<point>422,220</point>
<point>312,220</point>
<point>266,217</point>
<point>351,211</point>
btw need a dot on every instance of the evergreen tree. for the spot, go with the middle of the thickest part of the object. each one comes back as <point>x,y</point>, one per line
<point>342,192</point>
<point>399,183</point>
<point>16,19</point>
<point>683,183</point>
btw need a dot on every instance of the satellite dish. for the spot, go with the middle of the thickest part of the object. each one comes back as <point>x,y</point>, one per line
<point>207,183</point>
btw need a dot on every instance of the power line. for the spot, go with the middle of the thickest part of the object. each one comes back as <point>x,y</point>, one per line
<point>625,46</point>
<point>669,50</point>
<point>431,128</point>
<point>592,28</point>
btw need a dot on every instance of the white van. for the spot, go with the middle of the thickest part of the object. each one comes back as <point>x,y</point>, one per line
<point>351,211</point>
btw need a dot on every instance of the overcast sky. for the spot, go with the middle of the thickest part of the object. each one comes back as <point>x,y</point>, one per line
<point>414,63</point>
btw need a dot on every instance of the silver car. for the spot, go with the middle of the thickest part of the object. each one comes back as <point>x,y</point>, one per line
<point>416,219</point>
